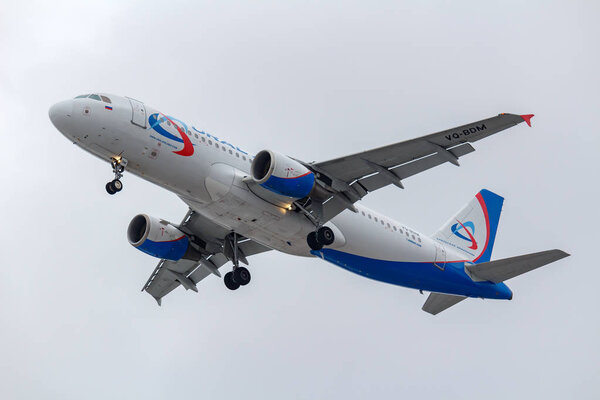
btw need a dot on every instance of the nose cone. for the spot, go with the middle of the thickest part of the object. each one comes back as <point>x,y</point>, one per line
<point>60,114</point>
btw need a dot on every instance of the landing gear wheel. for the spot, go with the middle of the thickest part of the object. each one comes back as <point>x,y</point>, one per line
<point>110,189</point>
<point>117,185</point>
<point>229,282</point>
<point>312,241</point>
<point>325,236</point>
<point>241,275</point>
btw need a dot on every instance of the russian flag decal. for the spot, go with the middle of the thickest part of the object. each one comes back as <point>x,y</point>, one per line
<point>108,107</point>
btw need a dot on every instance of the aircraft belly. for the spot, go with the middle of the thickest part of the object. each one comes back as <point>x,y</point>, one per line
<point>242,211</point>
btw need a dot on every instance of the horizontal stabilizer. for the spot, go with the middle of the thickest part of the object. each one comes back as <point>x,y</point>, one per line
<point>438,302</point>
<point>501,270</point>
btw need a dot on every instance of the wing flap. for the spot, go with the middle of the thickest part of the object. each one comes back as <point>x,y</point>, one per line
<point>208,267</point>
<point>377,181</point>
<point>501,270</point>
<point>438,302</point>
<point>161,282</point>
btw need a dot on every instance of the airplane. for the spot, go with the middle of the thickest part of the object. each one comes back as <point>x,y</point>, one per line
<point>242,204</point>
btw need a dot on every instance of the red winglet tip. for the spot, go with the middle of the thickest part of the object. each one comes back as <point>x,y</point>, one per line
<point>527,118</point>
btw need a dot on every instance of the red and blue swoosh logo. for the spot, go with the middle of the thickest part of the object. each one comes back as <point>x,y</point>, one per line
<point>459,226</point>
<point>157,121</point>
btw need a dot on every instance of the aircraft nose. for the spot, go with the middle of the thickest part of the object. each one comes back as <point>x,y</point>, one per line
<point>60,113</point>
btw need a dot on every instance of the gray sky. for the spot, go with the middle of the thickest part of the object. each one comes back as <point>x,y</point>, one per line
<point>314,81</point>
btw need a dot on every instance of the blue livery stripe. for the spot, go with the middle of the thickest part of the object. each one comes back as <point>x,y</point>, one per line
<point>297,187</point>
<point>172,250</point>
<point>416,275</point>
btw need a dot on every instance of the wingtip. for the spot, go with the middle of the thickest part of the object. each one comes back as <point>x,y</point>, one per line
<point>527,118</point>
<point>562,253</point>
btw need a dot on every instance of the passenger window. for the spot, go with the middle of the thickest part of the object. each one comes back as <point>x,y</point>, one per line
<point>83,96</point>
<point>369,216</point>
<point>244,158</point>
<point>388,225</point>
<point>363,213</point>
<point>105,99</point>
<point>203,139</point>
<point>407,235</point>
<point>95,97</point>
<point>223,148</point>
<point>230,152</point>
<point>395,229</point>
<point>419,239</point>
<point>382,223</point>
<point>376,220</point>
<point>196,135</point>
<point>210,142</point>
<point>237,155</point>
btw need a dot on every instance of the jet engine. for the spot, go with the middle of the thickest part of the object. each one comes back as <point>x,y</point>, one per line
<point>282,175</point>
<point>159,238</point>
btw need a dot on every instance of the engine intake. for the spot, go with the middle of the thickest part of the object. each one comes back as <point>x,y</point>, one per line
<point>159,238</point>
<point>282,175</point>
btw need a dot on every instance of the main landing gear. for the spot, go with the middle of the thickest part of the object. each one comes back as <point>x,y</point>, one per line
<point>321,237</point>
<point>118,165</point>
<point>240,276</point>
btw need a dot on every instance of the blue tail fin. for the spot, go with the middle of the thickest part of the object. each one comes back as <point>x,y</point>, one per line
<point>472,231</point>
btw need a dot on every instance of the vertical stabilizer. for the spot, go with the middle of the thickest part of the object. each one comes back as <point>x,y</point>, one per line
<point>472,231</point>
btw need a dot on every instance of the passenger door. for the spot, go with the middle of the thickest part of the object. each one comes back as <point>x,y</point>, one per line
<point>138,113</point>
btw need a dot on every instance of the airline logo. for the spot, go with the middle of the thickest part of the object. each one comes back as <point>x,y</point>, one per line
<point>459,226</point>
<point>174,130</point>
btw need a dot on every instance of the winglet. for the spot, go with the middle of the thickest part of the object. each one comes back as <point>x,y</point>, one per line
<point>527,118</point>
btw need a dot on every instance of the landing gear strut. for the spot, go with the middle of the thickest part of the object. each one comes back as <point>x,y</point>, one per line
<point>240,276</point>
<point>118,165</point>
<point>321,237</point>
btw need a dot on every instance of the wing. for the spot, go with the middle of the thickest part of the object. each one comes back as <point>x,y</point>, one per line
<point>213,242</point>
<point>348,179</point>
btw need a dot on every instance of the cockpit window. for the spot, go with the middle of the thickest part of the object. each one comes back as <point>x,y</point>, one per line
<point>105,99</point>
<point>95,97</point>
<point>83,96</point>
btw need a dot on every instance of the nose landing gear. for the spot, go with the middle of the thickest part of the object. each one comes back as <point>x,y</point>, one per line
<point>118,165</point>
<point>321,237</point>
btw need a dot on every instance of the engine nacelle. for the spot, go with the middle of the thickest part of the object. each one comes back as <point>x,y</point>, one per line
<point>159,238</point>
<point>282,175</point>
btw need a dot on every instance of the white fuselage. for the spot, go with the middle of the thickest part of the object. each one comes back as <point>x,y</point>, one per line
<point>211,176</point>
<point>211,181</point>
